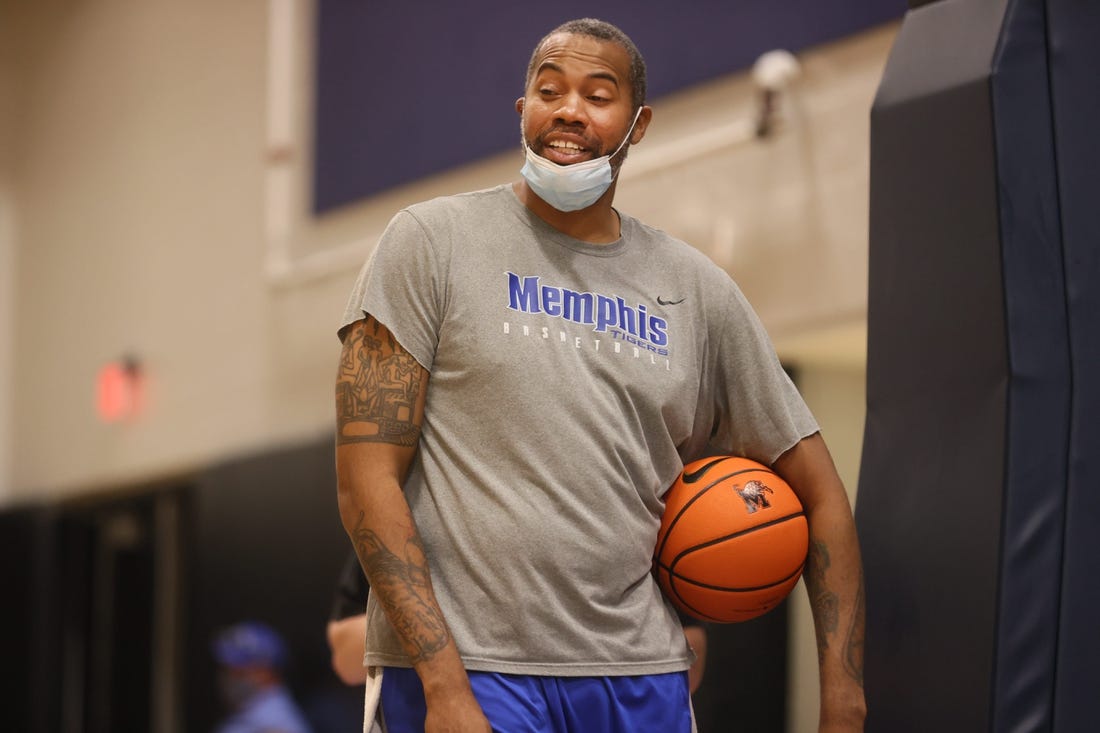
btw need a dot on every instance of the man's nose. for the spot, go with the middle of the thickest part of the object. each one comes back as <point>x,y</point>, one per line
<point>571,110</point>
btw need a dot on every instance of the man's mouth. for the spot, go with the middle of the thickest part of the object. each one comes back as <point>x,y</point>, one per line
<point>564,152</point>
<point>564,145</point>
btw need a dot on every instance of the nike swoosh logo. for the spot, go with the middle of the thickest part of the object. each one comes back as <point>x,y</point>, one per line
<point>690,478</point>
<point>662,301</point>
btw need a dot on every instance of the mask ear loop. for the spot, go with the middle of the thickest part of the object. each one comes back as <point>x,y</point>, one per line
<point>628,134</point>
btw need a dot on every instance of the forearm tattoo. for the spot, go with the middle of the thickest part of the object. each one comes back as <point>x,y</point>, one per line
<point>824,602</point>
<point>826,607</point>
<point>853,650</point>
<point>404,588</point>
<point>376,388</point>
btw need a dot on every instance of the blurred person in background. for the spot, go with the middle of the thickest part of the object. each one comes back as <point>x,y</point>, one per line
<point>251,658</point>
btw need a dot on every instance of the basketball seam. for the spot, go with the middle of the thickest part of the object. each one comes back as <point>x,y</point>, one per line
<point>708,543</point>
<point>739,533</point>
<point>671,567</point>
<point>725,589</point>
<point>700,615</point>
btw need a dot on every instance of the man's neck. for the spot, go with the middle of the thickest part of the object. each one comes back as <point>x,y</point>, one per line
<point>597,224</point>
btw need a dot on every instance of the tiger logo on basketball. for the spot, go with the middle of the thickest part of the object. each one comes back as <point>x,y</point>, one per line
<point>754,495</point>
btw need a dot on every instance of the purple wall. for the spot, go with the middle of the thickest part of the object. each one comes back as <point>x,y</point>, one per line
<point>407,89</point>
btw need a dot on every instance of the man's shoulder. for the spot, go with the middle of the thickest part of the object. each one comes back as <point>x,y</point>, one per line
<point>667,246</point>
<point>469,203</point>
<point>444,223</point>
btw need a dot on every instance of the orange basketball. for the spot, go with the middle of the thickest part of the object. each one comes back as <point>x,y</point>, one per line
<point>732,542</point>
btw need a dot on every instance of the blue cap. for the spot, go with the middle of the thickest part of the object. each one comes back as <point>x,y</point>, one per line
<point>250,644</point>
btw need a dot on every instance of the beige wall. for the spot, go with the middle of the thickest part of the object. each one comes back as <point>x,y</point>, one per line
<point>11,87</point>
<point>140,231</point>
<point>7,332</point>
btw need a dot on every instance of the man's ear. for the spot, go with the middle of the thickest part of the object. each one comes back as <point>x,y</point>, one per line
<point>519,106</point>
<point>642,125</point>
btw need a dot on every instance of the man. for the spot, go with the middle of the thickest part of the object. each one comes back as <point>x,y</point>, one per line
<point>541,367</point>
<point>250,658</point>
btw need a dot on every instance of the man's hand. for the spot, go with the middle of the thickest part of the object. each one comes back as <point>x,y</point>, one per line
<point>457,713</point>
<point>345,641</point>
<point>843,708</point>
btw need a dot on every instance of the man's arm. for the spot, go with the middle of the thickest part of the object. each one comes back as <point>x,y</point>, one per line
<point>345,641</point>
<point>380,396</point>
<point>834,581</point>
<point>697,639</point>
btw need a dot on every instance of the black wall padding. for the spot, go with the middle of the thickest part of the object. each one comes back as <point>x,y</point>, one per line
<point>1075,85</point>
<point>930,502</point>
<point>1039,378</point>
<point>28,629</point>
<point>980,486</point>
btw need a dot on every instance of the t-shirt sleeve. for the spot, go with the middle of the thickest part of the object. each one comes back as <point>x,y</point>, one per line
<point>761,413</point>
<point>401,286</point>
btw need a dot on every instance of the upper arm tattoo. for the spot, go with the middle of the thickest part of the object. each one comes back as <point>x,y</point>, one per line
<point>377,388</point>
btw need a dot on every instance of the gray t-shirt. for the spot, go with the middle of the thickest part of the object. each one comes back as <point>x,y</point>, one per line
<point>569,383</point>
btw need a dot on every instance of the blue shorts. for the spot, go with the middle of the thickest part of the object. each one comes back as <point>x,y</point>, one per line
<point>657,703</point>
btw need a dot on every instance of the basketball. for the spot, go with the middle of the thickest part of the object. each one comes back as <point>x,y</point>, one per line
<point>732,542</point>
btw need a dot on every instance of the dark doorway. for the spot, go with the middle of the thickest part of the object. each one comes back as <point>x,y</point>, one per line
<point>116,594</point>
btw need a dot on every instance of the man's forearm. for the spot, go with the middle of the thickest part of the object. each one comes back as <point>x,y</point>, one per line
<point>834,581</point>
<point>836,599</point>
<point>392,555</point>
<point>397,569</point>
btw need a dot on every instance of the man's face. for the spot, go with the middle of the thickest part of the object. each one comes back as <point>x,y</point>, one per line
<point>578,104</point>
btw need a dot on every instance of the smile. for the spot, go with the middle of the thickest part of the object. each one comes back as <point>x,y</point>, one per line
<point>564,145</point>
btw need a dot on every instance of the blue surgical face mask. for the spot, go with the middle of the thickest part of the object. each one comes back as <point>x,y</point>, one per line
<point>571,187</point>
<point>236,690</point>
